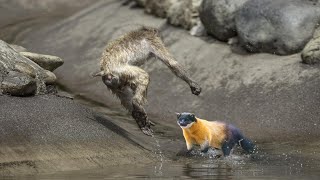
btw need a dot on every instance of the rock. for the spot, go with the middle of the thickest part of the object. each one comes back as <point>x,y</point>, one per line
<point>218,17</point>
<point>47,62</point>
<point>17,47</point>
<point>140,3</point>
<point>158,7</point>
<point>184,13</point>
<point>18,84</point>
<point>50,77</point>
<point>198,30</point>
<point>28,73</point>
<point>25,68</point>
<point>311,52</point>
<point>280,27</point>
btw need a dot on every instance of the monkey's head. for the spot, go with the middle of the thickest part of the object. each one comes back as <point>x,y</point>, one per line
<point>111,80</point>
<point>186,120</point>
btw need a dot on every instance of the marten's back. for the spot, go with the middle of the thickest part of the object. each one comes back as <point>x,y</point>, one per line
<point>217,132</point>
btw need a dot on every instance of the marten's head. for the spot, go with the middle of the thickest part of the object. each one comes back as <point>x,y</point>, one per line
<point>186,120</point>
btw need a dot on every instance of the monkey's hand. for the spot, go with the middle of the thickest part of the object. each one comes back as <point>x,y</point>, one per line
<point>195,88</point>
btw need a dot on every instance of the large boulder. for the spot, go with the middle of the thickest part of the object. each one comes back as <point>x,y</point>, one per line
<point>279,27</point>
<point>311,52</point>
<point>184,13</point>
<point>218,17</point>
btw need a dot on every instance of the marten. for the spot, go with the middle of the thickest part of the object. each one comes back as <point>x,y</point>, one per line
<point>214,134</point>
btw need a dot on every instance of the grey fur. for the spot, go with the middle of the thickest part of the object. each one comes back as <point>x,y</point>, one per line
<point>121,74</point>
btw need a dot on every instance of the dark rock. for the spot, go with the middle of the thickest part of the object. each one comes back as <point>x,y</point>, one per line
<point>280,27</point>
<point>218,17</point>
<point>140,3</point>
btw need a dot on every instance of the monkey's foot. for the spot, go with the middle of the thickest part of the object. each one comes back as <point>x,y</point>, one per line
<point>147,131</point>
<point>195,89</point>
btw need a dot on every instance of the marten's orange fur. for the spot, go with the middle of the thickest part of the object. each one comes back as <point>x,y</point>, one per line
<point>213,134</point>
<point>205,132</point>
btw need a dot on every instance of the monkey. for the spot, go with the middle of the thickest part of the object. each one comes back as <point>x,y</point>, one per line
<point>214,134</point>
<point>121,73</point>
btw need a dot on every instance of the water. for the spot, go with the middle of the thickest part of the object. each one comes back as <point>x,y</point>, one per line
<point>160,158</point>
<point>274,160</point>
<point>260,166</point>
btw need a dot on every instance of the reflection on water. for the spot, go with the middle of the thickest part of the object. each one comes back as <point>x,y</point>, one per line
<point>201,167</point>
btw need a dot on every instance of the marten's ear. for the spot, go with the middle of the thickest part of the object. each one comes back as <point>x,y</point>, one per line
<point>192,115</point>
<point>178,115</point>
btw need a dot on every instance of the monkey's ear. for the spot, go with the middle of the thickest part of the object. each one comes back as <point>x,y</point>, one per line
<point>178,115</point>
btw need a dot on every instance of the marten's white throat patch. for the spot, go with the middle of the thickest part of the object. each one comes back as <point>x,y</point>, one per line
<point>187,126</point>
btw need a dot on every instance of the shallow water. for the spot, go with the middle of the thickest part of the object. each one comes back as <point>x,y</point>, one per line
<point>234,167</point>
<point>274,160</point>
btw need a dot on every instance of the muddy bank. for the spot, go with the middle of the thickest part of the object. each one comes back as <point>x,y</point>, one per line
<point>47,133</point>
<point>23,16</point>
<point>271,98</point>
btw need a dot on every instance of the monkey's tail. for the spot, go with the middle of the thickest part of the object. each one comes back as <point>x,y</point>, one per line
<point>247,145</point>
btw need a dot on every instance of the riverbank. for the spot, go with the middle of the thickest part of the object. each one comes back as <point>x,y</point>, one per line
<point>47,133</point>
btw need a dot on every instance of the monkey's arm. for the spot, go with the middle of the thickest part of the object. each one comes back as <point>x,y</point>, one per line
<point>160,51</point>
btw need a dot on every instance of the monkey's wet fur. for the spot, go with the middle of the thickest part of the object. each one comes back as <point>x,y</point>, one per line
<point>214,134</point>
<point>120,71</point>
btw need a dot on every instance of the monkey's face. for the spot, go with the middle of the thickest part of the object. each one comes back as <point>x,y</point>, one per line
<point>111,80</point>
<point>186,120</point>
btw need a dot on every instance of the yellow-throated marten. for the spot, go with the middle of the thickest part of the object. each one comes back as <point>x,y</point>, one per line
<point>213,134</point>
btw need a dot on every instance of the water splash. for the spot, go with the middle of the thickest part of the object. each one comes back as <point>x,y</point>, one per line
<point>160,158</point>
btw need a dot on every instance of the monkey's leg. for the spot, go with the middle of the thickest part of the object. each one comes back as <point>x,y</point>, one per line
<point>138,79</point>
<point>139,99</point>
<point>160,51</point>
<point>125,96</point>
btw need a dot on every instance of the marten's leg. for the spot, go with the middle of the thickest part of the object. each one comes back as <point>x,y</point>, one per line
<point>227,147</point>
<point>204,147</point>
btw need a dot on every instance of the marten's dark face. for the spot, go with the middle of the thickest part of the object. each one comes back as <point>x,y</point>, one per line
<point>186,120</point>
